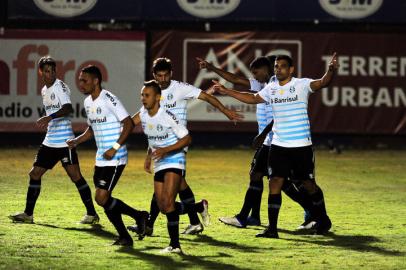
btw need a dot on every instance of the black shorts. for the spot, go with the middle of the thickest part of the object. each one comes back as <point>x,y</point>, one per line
<point>107,177</point>
<point>47,156</point>
<point>160,176</point>
<point>259,163</point>
<point>295,163</point>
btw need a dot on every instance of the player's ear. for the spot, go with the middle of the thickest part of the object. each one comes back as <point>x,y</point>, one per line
<point>291,70</point>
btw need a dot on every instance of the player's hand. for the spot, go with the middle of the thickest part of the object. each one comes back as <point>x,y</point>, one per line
<point>258,141</point>
<point>233,115</point>
<point>109,154</point>
<point>43,121</point>
<point>203,64</point>
<point>147,164</point>
<point>333,65</point>
<point>72,143</point>
<point>219,88</point>
<point>158,153</point>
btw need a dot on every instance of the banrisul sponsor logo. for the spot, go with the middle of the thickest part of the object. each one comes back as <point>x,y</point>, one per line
<point>208,8</point>
<point>65,8</point>
<point>351,9</point>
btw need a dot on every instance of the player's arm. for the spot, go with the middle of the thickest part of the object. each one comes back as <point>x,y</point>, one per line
<point>64,111</point>
<point>231,114</point>
<point>245,97</point>
<point>180,144</point>
<point>85,136</point>
<point>235,79</point>
<point>127,128</point>
<point>259,139</point>
<point>327,77</point>
<point>136,118</point>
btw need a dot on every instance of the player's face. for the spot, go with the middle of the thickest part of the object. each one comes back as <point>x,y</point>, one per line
<point>149,98</point>
<point>48,75</point>
<point>261,74</point>
<point>282,70</point>
<point>163,78</point>
<point>87,84</point>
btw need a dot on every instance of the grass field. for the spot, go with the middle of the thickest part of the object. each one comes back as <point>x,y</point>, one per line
<point>365,193</point>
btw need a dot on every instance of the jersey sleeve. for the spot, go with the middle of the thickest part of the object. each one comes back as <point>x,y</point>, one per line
<point>116,107</point>
<point>255,85</point>
<point>265,93</point>
<point>179,130</point>
<point>189,91</point>
<point>62,91</point>
<point>306,85</point>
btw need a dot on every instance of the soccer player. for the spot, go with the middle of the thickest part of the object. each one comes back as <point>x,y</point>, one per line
<point>174,98</point>
<point>58,107</point>
<point>167,139</point>
<point>262,71</point>
<point>291,152</point>
<point>110,124</point>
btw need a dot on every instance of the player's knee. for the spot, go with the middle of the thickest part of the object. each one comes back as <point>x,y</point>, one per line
<point>256,177</point>
<point>183,184</point>
<point>101,198</point>
<point>35,174</point>
<point>310,186</point>
<point>275,185</point>
<point>166,205</point>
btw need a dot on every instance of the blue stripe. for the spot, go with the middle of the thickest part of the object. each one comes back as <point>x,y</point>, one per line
<point>287,104</point>
<point>292,132</point>
<point>58,141</point>
<point>294,126</point>
<point>293,109</point>
<point>56,135</point>
<point>106,123</point>
<point>289,115</point>
<point>305,136</point>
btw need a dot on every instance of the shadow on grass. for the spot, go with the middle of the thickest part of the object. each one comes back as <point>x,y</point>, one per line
<point>95,229</point>
<point>360,243</point>
<point>169,261</point>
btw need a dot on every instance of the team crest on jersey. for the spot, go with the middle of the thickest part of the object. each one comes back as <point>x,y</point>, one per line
<point>170,97</point>
<point>52,96</point>
<point>292,89</point>
<point>281,91</point>
<point>98,110</point>
<point>159,127</point>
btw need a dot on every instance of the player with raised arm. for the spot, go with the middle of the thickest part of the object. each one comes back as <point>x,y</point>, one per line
<point>262,71</point>
<point>58,107</point>
<point>109,124</point>
<point>174,98</point>
<point>291,152</point>
<point>167,139</point>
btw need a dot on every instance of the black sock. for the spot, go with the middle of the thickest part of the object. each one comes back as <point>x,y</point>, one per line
<point>186,208</point>
<point>274,204</point>
<point>187,197</point>
<point>153,211</point>
<point>257,188</point>
<point>319,206</point>
<point>173,228</point>
<point>33,192</point>
<point>86,196</point>
<point>298,195</point>
<point>125,209</point>
<point>115,218</point>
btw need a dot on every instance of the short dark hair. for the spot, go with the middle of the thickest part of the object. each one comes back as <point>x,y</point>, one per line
<point>46,60</point>
<point>271,59</point>
<point>161,64</point>
<point>94,72</point>
<point>154,85</point>
<point>261,61</point>
<point>285,57</point>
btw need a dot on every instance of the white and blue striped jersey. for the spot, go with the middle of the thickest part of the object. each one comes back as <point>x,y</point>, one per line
<point>264,110</point>
<point>59,129</point>
<point>104,115</point>
<point>289,105</point>
<point>175,98</point>
<point>164,129</point>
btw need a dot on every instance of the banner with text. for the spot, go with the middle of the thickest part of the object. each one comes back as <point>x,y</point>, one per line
<point>367,95</point>
<point>120,56</point>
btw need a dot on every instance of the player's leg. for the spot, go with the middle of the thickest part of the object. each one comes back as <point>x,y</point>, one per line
<point>44,160</point>
<point>187,196</point>
<point>280,169</point>
<point>166,193</point>
<point>304,170</point>
<point>253,195</point>
<point>70,162</point>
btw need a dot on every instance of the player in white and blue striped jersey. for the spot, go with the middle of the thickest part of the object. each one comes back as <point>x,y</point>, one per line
<point>262,71</point>
<point>291,152</point>
<point>58,107</point>
<point>174,98</point>
<point>110,125</point>
<point>167,140</point>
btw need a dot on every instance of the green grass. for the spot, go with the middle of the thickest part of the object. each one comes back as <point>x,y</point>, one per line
<point>365,193</point>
